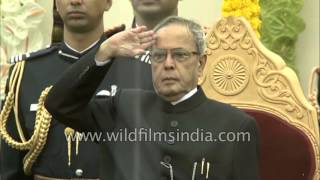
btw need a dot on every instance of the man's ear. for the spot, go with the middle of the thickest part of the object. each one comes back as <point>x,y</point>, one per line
<point>202,63</point>
<point>108,5</point>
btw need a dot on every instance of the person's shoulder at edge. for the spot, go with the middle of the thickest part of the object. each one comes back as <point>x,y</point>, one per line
<point>230,110</point>
<point>134,92</point>
<point>35,54</point>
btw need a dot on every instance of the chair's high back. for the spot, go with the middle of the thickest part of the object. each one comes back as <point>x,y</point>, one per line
<point>242,72</point>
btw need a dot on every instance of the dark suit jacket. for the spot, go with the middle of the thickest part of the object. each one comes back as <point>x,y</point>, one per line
<point>136,111</point>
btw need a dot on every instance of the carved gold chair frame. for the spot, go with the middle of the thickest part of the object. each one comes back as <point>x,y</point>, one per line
<point>242,72</point>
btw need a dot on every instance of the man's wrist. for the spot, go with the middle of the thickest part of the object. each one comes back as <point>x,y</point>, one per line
<point>102,63</point>
<point>104,53</point>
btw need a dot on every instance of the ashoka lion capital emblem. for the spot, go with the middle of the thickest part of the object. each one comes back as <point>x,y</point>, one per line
<point>229,75</point>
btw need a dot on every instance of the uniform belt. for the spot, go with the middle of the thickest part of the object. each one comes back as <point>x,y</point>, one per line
<point>38,177</point>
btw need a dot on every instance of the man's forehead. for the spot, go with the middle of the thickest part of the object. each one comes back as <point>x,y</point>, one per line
<point>173,26</point>
<point>174,35</point>
<point>174,30</point>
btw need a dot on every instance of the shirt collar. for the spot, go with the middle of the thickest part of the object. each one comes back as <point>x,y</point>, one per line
<point>186,96</point>
<point>187,105</point>
<point>83,51</point>
<point>69,53</point>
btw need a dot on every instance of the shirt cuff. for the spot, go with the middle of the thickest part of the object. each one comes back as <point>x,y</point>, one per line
<point>100,63</point>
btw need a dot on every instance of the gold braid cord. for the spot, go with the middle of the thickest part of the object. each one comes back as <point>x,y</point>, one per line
<point>43,119</point>
<point>42,123</point>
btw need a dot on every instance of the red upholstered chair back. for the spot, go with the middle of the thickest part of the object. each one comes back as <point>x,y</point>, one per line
<point>242,72</point>
<point>286,152</point>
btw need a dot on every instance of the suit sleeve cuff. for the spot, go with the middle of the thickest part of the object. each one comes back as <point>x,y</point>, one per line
<point>100,63</point>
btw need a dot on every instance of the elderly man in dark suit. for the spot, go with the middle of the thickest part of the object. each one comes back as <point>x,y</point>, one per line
<point>157,149</point>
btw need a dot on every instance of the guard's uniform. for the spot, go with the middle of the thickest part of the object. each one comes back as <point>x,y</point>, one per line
<point>42,69</point>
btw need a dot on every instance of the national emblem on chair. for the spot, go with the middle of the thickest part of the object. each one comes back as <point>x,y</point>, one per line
<point>242,72</point>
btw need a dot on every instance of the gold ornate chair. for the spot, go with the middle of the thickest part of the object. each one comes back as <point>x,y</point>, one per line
<point>242,72</point>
